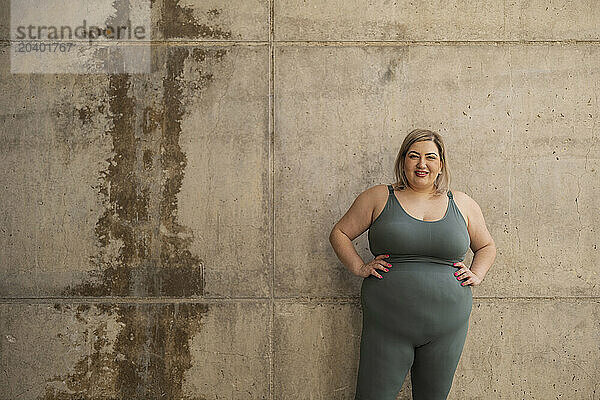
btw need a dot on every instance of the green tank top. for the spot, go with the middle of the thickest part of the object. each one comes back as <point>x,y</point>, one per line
<point>406,238</point>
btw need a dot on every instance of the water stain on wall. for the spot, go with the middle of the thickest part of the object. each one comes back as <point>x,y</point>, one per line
<point>143,250</point>
<point>147,360</point>
<point>179,22</point>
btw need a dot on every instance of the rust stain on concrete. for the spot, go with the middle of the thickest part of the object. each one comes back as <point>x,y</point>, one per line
<point>85,114</point>
<point>179,22</point>
<point>143,249</point>
<point>148,359</point>
<point>127,209</point>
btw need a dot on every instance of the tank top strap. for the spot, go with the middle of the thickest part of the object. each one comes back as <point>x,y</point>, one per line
<point>391,189</point>
<point>450,194</point>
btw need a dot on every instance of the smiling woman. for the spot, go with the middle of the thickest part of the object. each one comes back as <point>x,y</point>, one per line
<point>422,151</point>
<point>416,317</point>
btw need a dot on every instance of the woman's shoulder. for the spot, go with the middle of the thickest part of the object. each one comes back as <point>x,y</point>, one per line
<point>376,193</point>
<point>378,189</point>
<point>459,195</point>
<point>465,202</point>
<point>373,193</point>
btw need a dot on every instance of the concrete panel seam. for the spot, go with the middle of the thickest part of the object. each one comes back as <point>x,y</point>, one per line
<point>271,180</point>
<point>213,300</point>
<point>125,300</point>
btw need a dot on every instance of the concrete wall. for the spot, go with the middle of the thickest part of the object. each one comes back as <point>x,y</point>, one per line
<point>164,235</point>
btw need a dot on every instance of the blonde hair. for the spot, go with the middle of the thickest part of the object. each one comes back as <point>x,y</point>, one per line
<point>442,181</point>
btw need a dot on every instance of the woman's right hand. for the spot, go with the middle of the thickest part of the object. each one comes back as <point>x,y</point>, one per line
<point>371,267</point>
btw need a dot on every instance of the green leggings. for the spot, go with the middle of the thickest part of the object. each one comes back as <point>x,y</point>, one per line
<point>416,317</point>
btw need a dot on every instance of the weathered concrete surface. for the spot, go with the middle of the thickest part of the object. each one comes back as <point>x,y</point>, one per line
<point>54,149</point>
<point>98,209</point>
<point>511,124</point>
<point>230,354</point>
<point>136,232</point>
<point>532,349</point>
<point>129,351</point>
<point>4,19</point>
<point>49,349</point>
<point>197,20</point>
<point>225,192</point>
<point>436,20</point>
<point>314,349</point>
<point>213,20</point>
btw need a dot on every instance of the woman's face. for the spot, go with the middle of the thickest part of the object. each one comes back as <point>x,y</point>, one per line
<point>422,156</point>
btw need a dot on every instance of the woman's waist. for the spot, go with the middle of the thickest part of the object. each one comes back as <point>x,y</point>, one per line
<point>411,261</point>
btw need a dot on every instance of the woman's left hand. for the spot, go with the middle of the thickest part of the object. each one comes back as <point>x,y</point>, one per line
<point>465,275</point>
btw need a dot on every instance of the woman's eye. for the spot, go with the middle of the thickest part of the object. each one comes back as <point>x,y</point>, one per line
<point>429,158</point>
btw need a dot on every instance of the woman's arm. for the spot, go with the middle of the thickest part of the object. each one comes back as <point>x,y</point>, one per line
<point>356,221</point>
<point>482,243</point>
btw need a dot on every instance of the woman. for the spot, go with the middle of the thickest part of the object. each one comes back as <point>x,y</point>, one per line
<point>416,293</point>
